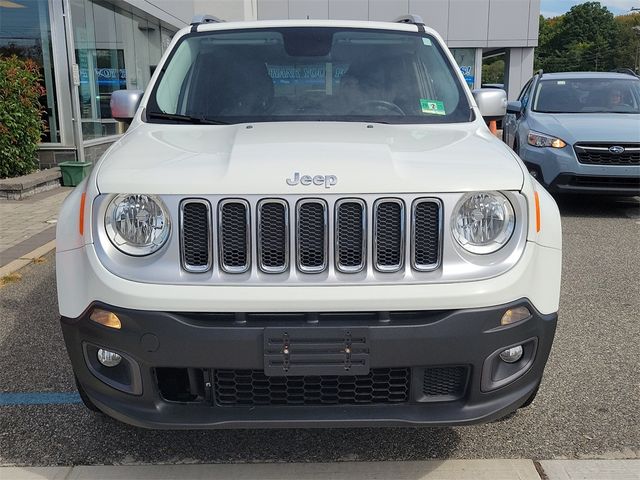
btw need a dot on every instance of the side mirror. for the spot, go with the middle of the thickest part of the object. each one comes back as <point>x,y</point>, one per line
<point>514,107</point>
<point>492,102</point>
<point>124,104</point>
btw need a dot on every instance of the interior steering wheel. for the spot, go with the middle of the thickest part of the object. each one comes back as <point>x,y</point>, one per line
<point>384,104</point>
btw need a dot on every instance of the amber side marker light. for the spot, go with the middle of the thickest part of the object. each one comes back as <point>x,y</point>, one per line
<point>106,318</point>
<point>514,315</point>
<point>537,200</point>
<point>83,199</point>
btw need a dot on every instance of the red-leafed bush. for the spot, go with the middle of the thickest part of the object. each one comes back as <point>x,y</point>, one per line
<point>21,124</point>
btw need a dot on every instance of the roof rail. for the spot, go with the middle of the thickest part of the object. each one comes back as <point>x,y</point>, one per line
<point>203,18</point>
<point>539,72</point>
<point>627,71</point>
<point>415,19</point>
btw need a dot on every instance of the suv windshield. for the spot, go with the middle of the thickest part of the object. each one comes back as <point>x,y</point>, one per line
<point>588,95</point>
<point>308,74</point>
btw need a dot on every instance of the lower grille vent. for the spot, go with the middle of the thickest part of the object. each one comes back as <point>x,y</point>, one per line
<point>253,387</point>
<point>444,383</point>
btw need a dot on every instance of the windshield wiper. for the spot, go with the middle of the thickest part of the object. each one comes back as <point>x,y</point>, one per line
<point>185,118</point>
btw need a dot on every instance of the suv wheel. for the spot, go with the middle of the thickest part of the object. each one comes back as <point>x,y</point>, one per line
<point>516,147</point>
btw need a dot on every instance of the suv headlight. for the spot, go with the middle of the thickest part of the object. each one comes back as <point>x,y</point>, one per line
<point>137,224</point>
<point>483,222</point>
<point>536,139</point>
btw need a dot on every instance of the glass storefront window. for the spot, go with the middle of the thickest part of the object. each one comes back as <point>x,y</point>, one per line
<point>25,31</point>
<point>466,59</point>
<point>115,49</point>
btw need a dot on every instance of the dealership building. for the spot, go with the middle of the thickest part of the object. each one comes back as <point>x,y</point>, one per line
<point>89,48</point>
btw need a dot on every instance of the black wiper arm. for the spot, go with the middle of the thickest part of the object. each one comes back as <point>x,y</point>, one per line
<point>185,118</point>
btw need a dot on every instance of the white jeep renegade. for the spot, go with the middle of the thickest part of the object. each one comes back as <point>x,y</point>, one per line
<point>308,223</point>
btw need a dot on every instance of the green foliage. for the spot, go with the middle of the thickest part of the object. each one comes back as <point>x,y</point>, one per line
<point>21,124</point>
<point>628,53</point>
<point>586,38</point>
<point>493,70</point>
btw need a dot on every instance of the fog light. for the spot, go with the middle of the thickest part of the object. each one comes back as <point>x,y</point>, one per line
<point>106,318</point>
<point>514,315</point>
<point>107,358</point>
<point>512,355</point>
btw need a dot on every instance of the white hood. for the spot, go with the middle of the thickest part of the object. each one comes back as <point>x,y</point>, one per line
<point>258,158</point>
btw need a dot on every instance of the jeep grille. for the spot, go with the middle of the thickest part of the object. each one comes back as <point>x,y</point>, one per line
<point>321,235</point>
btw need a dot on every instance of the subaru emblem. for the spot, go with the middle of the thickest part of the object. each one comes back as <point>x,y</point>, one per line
<point>617,149</point>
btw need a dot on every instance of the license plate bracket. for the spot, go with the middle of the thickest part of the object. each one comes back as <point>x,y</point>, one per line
<point>302,351</point>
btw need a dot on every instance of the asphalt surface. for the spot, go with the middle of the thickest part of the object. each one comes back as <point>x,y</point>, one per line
<point>588,405</point>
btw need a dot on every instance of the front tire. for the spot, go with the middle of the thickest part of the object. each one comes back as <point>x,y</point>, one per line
<point>516,146</point>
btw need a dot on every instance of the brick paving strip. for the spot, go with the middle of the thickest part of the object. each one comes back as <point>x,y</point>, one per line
<point>427,470</point>
<point>28,224</point>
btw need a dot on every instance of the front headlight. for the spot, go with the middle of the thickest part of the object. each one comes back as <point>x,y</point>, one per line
<point>137,224</point>
<point>536,139</point>
<point>483,222</point>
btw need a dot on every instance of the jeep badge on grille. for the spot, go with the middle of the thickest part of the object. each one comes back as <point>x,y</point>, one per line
<point>327,180</point>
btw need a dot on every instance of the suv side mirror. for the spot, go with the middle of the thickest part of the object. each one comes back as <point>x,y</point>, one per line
<point>124,104</point>
<point>514,107</point>
<point>492,102</point>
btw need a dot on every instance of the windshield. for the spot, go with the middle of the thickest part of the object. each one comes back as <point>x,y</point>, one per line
<point>308,74</point>
<point>588,95</point>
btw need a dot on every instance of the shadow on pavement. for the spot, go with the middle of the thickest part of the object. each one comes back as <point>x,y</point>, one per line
<point>79,437</point>
<point>598,206</point>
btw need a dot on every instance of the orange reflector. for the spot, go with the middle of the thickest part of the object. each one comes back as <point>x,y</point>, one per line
<point>537,199</point>
<point>108,319</point>
<point>514,315</point>
<point>83,198</point>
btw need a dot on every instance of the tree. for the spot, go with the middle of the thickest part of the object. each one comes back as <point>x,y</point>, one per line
<point>628,52</point>
<point>585,38</point>
<point>493,70</point>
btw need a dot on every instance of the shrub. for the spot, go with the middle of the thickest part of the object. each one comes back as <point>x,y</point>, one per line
<point>21,123</point>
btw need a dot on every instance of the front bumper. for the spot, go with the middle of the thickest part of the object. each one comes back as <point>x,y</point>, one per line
<point>560,171</point>
<point>207,343</point>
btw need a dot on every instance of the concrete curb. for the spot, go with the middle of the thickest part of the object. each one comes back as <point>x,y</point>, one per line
<point>518,469</point>
<point>26,259</point>
<point>427,470</point>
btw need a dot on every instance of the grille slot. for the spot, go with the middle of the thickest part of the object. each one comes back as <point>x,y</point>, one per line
<point>426,226</point>
<point>388,232</point>
<point>195,218</point>
<point>444,383</point>
<point>312,236</point>
<point>350,234</point>
<point>273,236</point>
<point>253,387</point>
<point>234,236</point>
<point>599,154</point>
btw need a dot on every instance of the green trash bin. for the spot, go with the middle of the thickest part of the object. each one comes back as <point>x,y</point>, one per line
<point>74,172</point>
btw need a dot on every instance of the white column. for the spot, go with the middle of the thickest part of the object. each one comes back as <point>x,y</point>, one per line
<point>477,75</point>
<point>518,69</point>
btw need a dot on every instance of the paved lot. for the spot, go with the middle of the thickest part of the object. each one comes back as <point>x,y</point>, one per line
<point>27,224</point>
<point>588,406</point>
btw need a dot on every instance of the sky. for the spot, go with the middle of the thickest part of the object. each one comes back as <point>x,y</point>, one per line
<point>553,8</point>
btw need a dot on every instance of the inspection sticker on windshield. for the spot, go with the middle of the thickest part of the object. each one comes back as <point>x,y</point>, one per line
<point>433,107</point>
